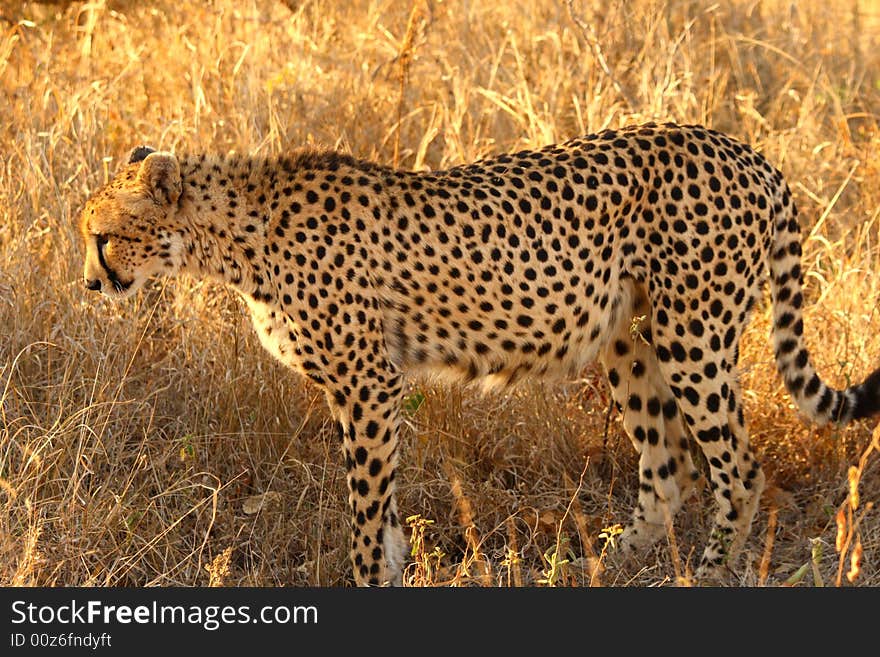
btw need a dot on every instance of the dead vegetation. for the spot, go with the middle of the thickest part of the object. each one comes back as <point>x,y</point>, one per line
<point>155,443</point>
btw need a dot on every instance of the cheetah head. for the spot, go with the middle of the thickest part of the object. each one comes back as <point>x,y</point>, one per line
<point>129,225</point>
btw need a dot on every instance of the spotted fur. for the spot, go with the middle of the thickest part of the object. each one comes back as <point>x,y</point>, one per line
<point>526,264</point>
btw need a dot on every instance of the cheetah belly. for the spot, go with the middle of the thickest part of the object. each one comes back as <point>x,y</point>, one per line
<point>494,348</point>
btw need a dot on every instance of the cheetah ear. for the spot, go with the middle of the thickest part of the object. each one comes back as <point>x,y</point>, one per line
<point>160,174</point>
<point>139,153</point>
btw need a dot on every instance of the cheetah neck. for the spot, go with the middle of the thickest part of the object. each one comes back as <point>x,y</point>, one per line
<point>224,221</point>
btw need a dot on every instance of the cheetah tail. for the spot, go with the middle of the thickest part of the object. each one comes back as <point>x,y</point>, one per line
<point>818,401</point>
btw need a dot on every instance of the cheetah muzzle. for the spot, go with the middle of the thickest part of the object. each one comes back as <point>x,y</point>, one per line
<point>527,264</point>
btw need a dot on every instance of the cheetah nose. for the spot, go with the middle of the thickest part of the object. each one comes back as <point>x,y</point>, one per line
<point>94,284</point>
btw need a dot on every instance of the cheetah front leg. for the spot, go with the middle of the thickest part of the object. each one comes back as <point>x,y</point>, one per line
<point>366,409</point>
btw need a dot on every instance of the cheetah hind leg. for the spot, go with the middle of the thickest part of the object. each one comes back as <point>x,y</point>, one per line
<point>678,444</point>
<point>395,545</point>
<point>748,467</point>
<point>735,502</point>
<point>654,425</point>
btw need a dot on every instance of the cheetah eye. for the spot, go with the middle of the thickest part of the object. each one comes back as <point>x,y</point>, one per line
<point>101,239</point>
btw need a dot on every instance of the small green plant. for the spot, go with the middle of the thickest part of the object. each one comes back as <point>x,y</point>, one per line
<point>187,448</point>
<point>813,564</point>
<point>425,563</point>
<point>635,328</point>
<point>512,563</point>
<point>556,558</point>
<point>609,535</point>
<point>413,402</point>
<point>132,520</point>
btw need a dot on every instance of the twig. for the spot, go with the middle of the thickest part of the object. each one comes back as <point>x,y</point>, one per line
<point>764,568</point>
<point>419,19</point>
<point>607,424</point>
<point>593,41</point>
<point>848,520</point>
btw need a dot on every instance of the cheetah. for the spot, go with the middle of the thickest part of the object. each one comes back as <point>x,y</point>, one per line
<point>527,264</point>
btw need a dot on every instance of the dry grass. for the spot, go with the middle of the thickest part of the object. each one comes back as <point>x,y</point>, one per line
<point>135,439</point>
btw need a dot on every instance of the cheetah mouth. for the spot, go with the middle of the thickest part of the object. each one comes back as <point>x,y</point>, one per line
<point>118,284</point>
